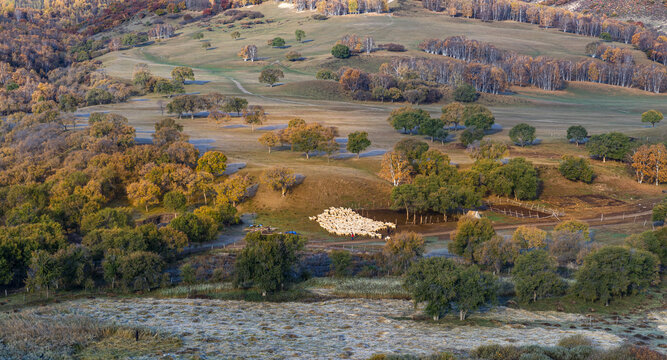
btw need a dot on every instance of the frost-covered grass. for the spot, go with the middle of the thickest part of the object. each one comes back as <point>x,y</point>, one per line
<point>184,290</point>
<point>372,288</point>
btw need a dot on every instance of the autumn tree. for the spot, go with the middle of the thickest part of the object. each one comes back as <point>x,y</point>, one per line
<point>528,237</point>
<point>650,164</point>
<point>522,134</point>
<point>235,35</point>
<point>143,193</point>
<point>488,150</point>
<point>306,138</point>
<point>248,52</point>
<point>652,116</point>
<point>354,80</point>
<point>402,248</point>
<point>357,142</point>
<point>233,189</point>
<point>254,115</point>
<point>478,116</point>
<point>212,162</point>
<point>577,134</point>
<point>395,168</point>
<point>452,114</point>
<point>270,139</point>
<point>270,76</point>
<point>496,254</point>
<point>279,179</point>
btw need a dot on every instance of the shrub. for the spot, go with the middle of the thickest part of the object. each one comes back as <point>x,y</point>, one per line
<point>341,262</point>
<point>277,42</point>
<point>326,74</point>
<point>340,51</point>
<point>522,134</point>
<point>293,56</point>
<point>393,47</point>
<point>192,226</point>
<point>319,17</point>
<point>576,169</point>
<point>465,93</point>
<point>496,352</point>
<point>574,341</point>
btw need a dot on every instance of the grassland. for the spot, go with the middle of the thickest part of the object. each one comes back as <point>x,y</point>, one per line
<point>354,182</point>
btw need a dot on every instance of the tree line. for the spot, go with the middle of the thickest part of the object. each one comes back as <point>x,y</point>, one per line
<point>652,42</point>
<point>490,66</point>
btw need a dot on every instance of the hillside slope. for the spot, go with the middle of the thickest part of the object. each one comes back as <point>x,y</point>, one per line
<point>653,12</point>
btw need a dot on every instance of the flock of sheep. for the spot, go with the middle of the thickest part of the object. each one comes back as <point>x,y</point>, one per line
<point>346,222</point>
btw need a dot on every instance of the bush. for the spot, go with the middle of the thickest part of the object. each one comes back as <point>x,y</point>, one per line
<point>192,226</point>
<point>393,47</point>
<point>340,51</point>
<point>326,74</point>
<point>497,352</point>
<point>574,341</point>
<point>277,42</point>
<point>605,36</point>
<point>465,93</point>
<point>293,56</point>
<point>576,169</point>
<point>319,17</point>
<point>522,134</point>
<point>98,97</point>
<point>341,263</point>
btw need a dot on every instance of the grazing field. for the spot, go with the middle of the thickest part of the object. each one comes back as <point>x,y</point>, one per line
<point>599,108</point>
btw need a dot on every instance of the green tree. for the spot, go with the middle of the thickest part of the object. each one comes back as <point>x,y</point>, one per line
<point>615,271</point>
<point>340,51</point>
<point>522,134</point>
<point>111,266</point>
<point>407,118</point>
<point>652,241</point>
<point>300,35</point>
<point>652,116</point>
<point>193,227</point>
<point>267,261</point>
<point>235,35</point>
<point>613,146</point>
<point>430,127</point>
<point>478,116</point>
<point>235,104</point>
<point>402,248</point>
<point>470,233</point>
<point>44,272</point>
<point>277,42</point>
<point>470,135</point>
<point>576,169</point>
<point>660,211</point>
<point>411,149</point>
<point>141,270</point>
<point>445,286</point>
<point>187,273</point>
<point>574,226</point>
<point>577,134</point>
<point>535,276</point>
<point>174,201</point>
<point>181,73</point>
<point>341,263</point>
<point>107,218</point>
<point>452,114</point>
<point>271,76</point>
<point>465,93</point>
<point>212,162</point>
<point>269,139</point>
<point>518,177</point>
<point>357,142</point>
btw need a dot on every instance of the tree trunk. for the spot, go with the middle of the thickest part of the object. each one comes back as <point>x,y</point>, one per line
<point>307,156</point>
<point>269,149</point>
<point>462,315</point>
<point>284,190</point>
<point>358,155</point>
<point>534,296</point>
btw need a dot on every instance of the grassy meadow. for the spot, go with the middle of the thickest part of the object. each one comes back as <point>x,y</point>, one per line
<point>350,182</point>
